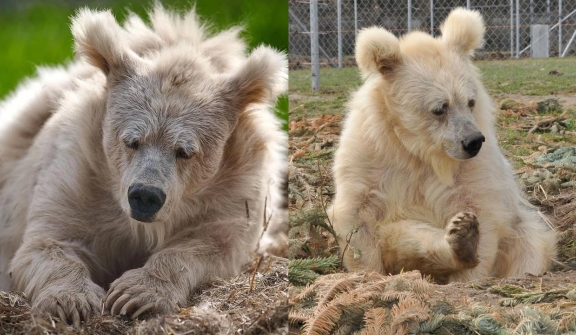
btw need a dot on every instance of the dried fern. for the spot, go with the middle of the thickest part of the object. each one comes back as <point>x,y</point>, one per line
<point>374,321</point>
<point>534,297</point>
<point>301,276</point>
<point>407,316</point>
<point>507,290</point>
<point>305,271</point>
<point>370,303</point>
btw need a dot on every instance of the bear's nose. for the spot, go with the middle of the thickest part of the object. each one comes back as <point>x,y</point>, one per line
<point>145,201</point>
<point>472,143</point>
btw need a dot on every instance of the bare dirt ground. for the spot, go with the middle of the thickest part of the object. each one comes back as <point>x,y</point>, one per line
<point>537,134</point>
<point>251,303</point>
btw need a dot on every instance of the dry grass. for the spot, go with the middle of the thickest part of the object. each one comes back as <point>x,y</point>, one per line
<point>218,307</point>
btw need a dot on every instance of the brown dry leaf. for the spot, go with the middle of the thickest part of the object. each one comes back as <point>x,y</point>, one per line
<point>298,154</point>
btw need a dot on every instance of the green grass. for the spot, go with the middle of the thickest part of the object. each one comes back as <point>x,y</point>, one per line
<point>522,77</point>
<point>529,76</point>
<point>37,32</point>
<point>335,88</point>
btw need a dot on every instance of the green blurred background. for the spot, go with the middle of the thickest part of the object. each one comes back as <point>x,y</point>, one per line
<point>35,32</point>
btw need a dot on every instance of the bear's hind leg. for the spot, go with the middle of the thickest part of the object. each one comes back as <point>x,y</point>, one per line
<point>530,248</point>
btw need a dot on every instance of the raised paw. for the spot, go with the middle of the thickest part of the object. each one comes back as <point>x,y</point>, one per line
<point>71,304</point>
<point>462,234</point>
<point>136,293</point>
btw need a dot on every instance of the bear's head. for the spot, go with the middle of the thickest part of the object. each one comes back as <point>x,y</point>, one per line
<point>430,85</point>
<point>168,115</point>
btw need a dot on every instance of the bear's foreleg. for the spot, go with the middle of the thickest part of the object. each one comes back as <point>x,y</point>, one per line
<point>171,274</point>
<point>56,277</point>
<point>411,245</point>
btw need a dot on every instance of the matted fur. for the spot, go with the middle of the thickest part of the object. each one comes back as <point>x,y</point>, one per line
<point>67,159</point>
<point>408,196</point>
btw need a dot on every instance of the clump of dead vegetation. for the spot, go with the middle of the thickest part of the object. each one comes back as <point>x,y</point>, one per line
<point>540,139</point>
<point>369,303</point>
<point>255,302</point>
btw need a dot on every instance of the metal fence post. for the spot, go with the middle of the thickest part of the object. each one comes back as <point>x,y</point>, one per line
<point>315,55</point>
<point>339,4</point>
<point>432,17</point>
<point>559,27</point>
<point>355,18</point>
<point>468,4</point>
<point>517,28</point>
<point>409,15</point>
<point>511,28</point>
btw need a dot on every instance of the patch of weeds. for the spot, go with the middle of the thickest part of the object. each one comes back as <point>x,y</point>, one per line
<point>507,290</point>
<point>322,155</point>
<point>305,271</point>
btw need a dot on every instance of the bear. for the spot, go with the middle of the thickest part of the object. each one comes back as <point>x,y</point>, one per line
<point>421,183</point>
<point>142,169</point>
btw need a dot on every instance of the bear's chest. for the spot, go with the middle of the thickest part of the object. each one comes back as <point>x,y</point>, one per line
<point>420,195</point>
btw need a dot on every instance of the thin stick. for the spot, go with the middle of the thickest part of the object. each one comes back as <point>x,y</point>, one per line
<point>321,197</point>
<point>254,272</point>
<point>348,238</point>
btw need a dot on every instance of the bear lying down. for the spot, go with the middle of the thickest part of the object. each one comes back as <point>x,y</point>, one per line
<point>133,170</point>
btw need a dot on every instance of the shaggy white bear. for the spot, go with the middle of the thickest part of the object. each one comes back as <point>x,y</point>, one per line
<point>144,170</point>
<point>420,181</point>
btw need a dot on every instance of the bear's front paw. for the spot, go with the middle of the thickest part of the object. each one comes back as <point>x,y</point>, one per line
<point>137,292</point>
<point>462,234</point>
<point>72,303</point>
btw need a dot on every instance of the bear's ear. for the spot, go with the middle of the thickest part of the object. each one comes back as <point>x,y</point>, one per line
<point>377,51</point>
<point>464,30</point>
<point>261,79</point>
<point>99,39</point>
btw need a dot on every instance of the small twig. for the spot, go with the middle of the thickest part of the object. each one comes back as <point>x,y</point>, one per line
<point>265,223</point>
<point>254,272</point>
<point>564,266</point>
<point>348,238</point>
<point>266,220</point>
<point>547,122</point>
<point>247,210</point>
<point>543,191</point>
<point>321,197</point>
<point>170,329</point>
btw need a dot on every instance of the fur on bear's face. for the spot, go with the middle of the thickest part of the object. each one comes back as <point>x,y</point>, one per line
<point>165,130</point>
<point>430,84</point>
<point>168,116</point>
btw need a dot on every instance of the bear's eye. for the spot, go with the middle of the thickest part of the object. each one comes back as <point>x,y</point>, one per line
<point>181,153</point>
<point>471,103</point>
<point>134,145</point>
<point>440,110</point>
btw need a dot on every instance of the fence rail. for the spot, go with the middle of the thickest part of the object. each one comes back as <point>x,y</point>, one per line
<point>514,28</point>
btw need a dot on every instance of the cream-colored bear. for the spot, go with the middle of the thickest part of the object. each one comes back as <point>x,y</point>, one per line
<point>420,180</point>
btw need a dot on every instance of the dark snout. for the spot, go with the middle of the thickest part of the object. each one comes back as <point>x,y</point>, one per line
<point>472,143</point>
<point>145,201</point>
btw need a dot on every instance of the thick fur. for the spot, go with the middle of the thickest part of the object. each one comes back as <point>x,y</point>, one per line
<point>408,196</point>
<point>207,137</point>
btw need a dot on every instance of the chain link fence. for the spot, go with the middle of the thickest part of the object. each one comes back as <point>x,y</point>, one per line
<point>514,28</point>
